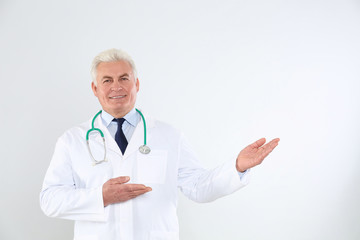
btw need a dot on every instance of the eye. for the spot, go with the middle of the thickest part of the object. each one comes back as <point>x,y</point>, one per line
<point>124,78</point>
<point>107,80</point>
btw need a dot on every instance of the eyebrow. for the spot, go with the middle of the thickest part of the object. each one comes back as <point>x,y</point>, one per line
<point>123,75</point>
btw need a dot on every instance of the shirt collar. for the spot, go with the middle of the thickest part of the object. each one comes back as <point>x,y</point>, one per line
<point>131,117</point>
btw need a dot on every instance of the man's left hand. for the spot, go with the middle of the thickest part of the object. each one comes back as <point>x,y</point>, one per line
<point>254,154</point>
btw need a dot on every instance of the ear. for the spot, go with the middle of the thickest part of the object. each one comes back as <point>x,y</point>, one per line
<point>137,85</point>
<point>94,88</point>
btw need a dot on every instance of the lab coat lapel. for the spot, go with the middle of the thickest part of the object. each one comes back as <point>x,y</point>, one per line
<point>136,140</point>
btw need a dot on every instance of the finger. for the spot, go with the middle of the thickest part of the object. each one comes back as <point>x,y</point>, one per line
<point>120,180</point>
<point>272,144</point>
<point>136,193</point>
<point>268,148</point>
<point>275,140</point>
<point>135,187</point>
<point>258,143</point>
<point>142,191</point>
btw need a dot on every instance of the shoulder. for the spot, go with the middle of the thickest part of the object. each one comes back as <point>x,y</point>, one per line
<point>76,132</point>
<point>163,132</point>
<point>163,126</point>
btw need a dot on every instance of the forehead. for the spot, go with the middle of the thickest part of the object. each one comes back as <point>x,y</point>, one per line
<point>113,68</point>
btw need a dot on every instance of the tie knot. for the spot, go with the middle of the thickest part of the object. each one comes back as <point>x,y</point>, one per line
<point>120,121</point>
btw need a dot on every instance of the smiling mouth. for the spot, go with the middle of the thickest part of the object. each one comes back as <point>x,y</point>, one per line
<point>117,97</point>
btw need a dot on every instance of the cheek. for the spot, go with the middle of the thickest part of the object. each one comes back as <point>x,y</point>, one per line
<point>104,92</point>
<point>134,89</point>
<point>133,93</point>
<point>102,97</point>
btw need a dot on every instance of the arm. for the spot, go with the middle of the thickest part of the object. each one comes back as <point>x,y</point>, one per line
<point>64,197</point>
<point>202,185</point>
<point>60,197</point>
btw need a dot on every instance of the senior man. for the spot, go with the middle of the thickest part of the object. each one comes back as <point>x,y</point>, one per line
<point>115,191</point>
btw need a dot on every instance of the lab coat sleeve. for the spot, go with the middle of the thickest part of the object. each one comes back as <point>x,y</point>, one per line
<point>201,185</point>
<point>61,198</point>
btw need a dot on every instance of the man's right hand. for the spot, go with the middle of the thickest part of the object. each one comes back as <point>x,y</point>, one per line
<point>115,190</point>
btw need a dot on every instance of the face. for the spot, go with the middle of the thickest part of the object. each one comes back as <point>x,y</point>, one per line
<point>116,87</point>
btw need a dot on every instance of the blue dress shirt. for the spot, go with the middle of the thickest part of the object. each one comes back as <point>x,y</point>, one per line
<point>128,127</point>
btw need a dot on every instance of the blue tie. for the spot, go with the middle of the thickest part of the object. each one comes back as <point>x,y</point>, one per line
<point>119,136</point>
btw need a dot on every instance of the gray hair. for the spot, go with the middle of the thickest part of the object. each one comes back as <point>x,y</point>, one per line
<point>111,55</point>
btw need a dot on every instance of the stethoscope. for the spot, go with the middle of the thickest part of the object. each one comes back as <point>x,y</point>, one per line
<point>144,149</point>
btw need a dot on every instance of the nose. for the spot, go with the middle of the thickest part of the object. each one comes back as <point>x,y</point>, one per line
<point>116,86</point>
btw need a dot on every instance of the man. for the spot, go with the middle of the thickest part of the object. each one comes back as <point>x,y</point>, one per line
<point>131,195</point>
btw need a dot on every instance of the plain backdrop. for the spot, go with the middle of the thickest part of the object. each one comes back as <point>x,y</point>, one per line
<point>224,72</point>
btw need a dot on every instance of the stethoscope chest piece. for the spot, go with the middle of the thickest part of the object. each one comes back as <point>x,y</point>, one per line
<point>144,149</point>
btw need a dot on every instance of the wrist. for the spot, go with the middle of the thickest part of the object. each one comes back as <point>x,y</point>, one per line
<point>240,169</point>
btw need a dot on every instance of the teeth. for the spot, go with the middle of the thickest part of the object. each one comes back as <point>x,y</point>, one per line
<point>117,97</point>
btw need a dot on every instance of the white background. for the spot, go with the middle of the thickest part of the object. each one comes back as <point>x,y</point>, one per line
<point>226,73</point>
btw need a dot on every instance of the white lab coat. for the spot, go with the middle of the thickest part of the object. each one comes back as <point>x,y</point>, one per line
<point>72,187</point>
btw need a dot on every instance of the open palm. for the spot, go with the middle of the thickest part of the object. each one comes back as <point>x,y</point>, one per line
<point>255,153</point>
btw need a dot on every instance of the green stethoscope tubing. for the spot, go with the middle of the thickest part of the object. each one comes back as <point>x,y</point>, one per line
<point>144,149</point>
<point>93,128</point>
<point>142,116</point>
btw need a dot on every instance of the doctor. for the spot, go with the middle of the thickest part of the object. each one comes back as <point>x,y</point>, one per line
<point>131,195</point>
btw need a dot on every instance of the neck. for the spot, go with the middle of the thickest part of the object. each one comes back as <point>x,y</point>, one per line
<point>118,114</point>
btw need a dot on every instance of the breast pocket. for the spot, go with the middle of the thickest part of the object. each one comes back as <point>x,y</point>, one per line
<point>152,167</point>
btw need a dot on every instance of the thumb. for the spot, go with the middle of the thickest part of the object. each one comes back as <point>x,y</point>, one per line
<point>120,180</point>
